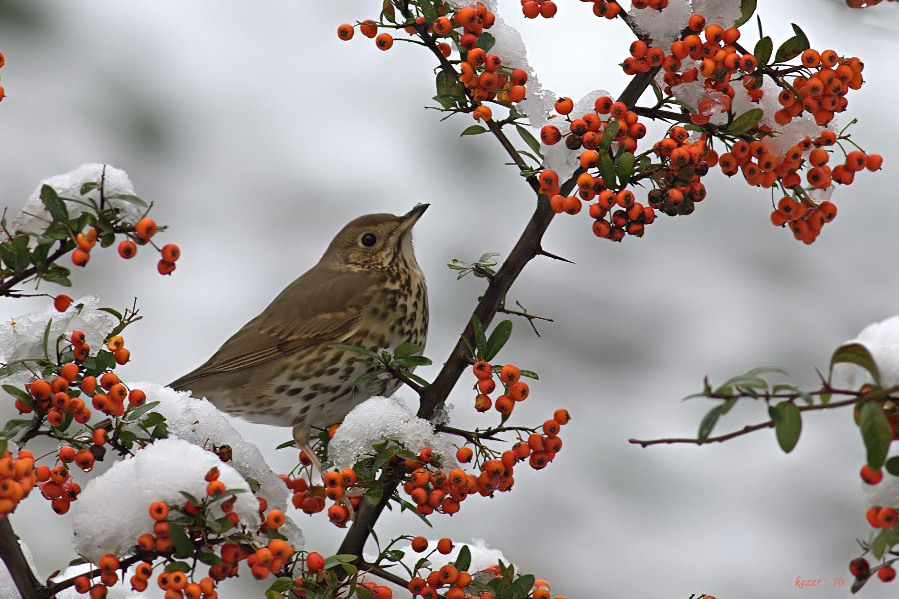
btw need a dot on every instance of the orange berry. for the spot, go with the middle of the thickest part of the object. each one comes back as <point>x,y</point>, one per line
<point>482,370</point>
<point>510,373</point>
<point>275,519</point>
<point>345,32</point>
<point>464,454</point>
<point>872,477</point>
<point>137,398</point>
<point>215,488</point>
<point>84,459</point>
<point>80,257</point>
<point>67,454</point>
<point>159,510</point>
<point>564,105</point>
<point>145,229</point>
<point>419,544</point>
<point>62,302</point>
<point>518,391</point>
<point>165,268</point>
<point>384,41</point>
<point>127,249</point>
<point>444,545</point>
<point>874,162</point>
<point>170,252</point>
<point>100,436</point>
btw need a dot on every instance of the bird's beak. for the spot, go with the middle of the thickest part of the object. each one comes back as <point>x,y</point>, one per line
<point>411,217</point>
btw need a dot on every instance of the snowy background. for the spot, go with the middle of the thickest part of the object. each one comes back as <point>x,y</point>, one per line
<point>259,134</point>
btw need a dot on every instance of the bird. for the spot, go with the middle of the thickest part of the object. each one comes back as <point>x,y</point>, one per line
<point>281,368</point>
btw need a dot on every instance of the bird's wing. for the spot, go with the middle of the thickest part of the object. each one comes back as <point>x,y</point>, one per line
<point>322,306</point>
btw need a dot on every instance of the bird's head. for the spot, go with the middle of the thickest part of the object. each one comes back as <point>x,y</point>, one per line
<point>375,240</point>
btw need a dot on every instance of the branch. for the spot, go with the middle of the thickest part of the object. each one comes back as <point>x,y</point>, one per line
<point>13,280</point>
<point>11,554</point>
<point>745,430</point>
<point>526,248</point>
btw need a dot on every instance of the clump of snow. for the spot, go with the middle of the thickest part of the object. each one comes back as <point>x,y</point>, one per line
<point>385,419</point>
<point>881,339</point>
<point>113,510</point>
<point>662,26</point>
<point>885,493</point>
<point>201,423</point>
<point>23,336</point>
<point>34,218</point>
<point>719,12</point>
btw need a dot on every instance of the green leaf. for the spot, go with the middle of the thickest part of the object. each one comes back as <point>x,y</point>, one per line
<point>763,49</point>
<point>709,420</point>
<point>373,495</point>
<point>858,354</point>
<point>480,340</point>
<point>530,374</point>
<point>129,198</point>
<point>486,41</point>
<point>463,560</point>
<point>747,9</point>
<point>876,433</point>
<point>607,169</point>
<point>177,567</point>
<point>183,546</point>
<point>879,544</point>
<point>282,583</point>
<point>152,419</point>
<point>270,594</point>
<point>745,122</point>
<point>529,139</point>
<point>3,445</point>
<point>286,444</point>
<point>608,136</point>
<point>55,206</point>
<point>892,465</point>
<point>793,47</point>
<point>497,340</point>
<point>474,130</point>
<point>88,187</point>
<point>447,85</point>
<point>625,167</point>
<point>135,413</point>
<point>18,393</point>
<point>787,424</point>
<point>414,361</point>
<point>12,427</point>
<point>522,586</point>
<point>404,350</point>
<point>57,274</point>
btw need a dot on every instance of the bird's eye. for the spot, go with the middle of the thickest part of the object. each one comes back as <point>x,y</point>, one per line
<point>368,239</point>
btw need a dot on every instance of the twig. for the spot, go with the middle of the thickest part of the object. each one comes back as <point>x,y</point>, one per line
<point>524,312</point>
<point>746,429</point>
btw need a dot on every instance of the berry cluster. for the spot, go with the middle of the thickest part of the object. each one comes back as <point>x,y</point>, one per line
<point>481,73</point>
<point>454,581</point>
<point>316,578</point>
<point>684,163</point>
<point>142,231</point>
<point>538,8</point>
<point>882,518</point>
<point>514,389</point>
<point>823,92</point>
<point>223,550</point>
<point>311,499</point>
<point>608,134</point>
<point>17,478</point>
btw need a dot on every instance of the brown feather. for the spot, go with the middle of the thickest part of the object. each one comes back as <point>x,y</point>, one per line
<point>302,316</point>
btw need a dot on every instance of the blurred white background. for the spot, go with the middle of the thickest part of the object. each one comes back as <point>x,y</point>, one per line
<point>258,134</point>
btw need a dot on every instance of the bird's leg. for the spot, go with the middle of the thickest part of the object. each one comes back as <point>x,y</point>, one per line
<point>301,437</point>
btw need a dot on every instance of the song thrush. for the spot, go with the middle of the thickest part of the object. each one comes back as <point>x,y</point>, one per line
<point>367,290</point>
